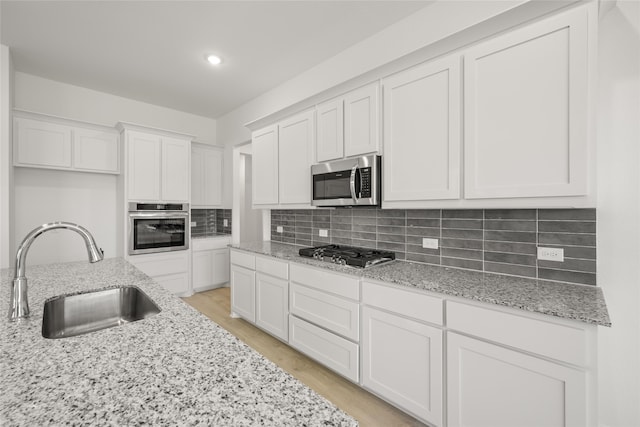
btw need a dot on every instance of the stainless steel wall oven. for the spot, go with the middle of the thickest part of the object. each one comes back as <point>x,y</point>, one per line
<point>157,227</point>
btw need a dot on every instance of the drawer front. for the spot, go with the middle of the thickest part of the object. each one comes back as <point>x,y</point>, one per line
<point>273,267</point>
<point>345,286</point>
<point>412,304</point>
<point>336,314</point>
<point>557,341</point>
<point>161,265</point>
<point>205,244</point>
<point>332,351</point>
<point>243,259</point>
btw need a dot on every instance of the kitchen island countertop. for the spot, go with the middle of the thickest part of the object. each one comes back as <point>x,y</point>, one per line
<point>583,303</point>
<point>174,368</point>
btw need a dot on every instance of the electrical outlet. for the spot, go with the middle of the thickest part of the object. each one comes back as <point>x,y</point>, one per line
<point>279,229</point>
<point>323,233</point>
<point>225,222</point>
<point>193,223</point>
<point>429,243</point>
<point>551,254</point>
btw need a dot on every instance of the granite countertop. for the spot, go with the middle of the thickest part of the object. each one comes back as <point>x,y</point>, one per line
<point>576,302</point>
<point>174,368</point>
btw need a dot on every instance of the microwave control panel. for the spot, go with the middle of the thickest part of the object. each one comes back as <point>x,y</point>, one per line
<point>365,179</point>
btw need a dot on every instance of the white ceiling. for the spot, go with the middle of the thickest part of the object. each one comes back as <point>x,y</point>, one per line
<point>153,51</point>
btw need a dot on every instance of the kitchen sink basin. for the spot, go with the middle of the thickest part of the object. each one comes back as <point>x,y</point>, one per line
<point>71,315</point>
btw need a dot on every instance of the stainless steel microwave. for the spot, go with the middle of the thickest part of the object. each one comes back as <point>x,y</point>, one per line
<point>348,182</point>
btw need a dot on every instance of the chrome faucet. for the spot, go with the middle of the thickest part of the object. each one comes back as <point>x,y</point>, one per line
<point>19,303</point>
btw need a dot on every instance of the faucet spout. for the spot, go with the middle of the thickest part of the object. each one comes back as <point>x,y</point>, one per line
<point>19,302</point>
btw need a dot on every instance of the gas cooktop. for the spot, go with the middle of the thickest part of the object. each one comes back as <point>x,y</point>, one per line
<point>348,255</point>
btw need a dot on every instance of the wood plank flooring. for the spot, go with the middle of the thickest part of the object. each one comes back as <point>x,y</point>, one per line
<point>369,410</point>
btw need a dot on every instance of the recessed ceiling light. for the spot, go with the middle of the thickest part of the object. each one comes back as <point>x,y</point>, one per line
<point>214,60</point>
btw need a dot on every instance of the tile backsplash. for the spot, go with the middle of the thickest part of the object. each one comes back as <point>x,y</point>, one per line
<point>494,240</point>
<point>210,222</point>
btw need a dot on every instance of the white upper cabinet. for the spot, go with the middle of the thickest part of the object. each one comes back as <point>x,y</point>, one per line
<point>422,132</point>
<point>361,128</point>
<point>206,176</point>
<point>295,156</point>
<point>47,142</point>
<point>282,158</point>
<point>349,125</point>
<point>330,144</point>
<point>158,167</point>
<point>526,111</point>
<point>264,146</point>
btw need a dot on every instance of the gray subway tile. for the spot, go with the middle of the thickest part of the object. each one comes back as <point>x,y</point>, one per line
<point>423,222</point>
<point>423,213</point>
<point>511,247</point>
<point>461,243</point>
<point>567,276</point>
<point>424,258</point>
<point>391,229</point>
<point>472,224</point>
<point>304,242</point>
<point>463,213</point>
<point>566,239</point>
<point>511,225</point>
<point>510,214</point>
<point>340,226</point>
<point>382,237</point>
<point>570,264</point>
<point>341,241</point>
<point>462,234</point>
<point>391,213</point>
<point>341,220</point>
<point>420,250</point>
<point>510,236</point>
<point>394,247</point>
<point>423,232</point>
<point>511,269</point>
<point>507,258</point>
<point>567,226</point>
<point>365,220</point>
<point>364,227</point>
<point>391,221</point>
<point>567,214</point>
<point>365,212</point>
<point>371,244</point>
<point>341,212</point>
<point>363,235</point>
<point>462,253</point>
<point>462,263</point>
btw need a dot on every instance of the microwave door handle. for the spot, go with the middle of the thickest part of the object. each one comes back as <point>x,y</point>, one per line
<point>352,183</point>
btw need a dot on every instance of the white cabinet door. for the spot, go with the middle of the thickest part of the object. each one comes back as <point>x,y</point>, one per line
<point>526,111</point>
<point>243,292</point>
<point>265,166</point>
<point>488,385</point>
<point>330,140</point>
<point>361,127</point>
<point>422,132</point>
<point>143,171</point>
<point>272,305</point>
<point>202,273</point>
<point>95,151</point>
<point>402,362</point>
<point>206,177</point>
<point>176,154</point>
<point>296,143</point>
<point>220,263</point>
<point>39,143</point>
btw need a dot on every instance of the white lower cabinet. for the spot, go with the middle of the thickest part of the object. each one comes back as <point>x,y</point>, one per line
<point>210,263</point>
<point>243,293</point>
<point>489,385</point>
<point>272,305</point>
<point>170,269</point>
<point>336,353</point>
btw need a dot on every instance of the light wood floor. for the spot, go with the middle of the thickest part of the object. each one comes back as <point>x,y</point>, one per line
<point>361,405</point>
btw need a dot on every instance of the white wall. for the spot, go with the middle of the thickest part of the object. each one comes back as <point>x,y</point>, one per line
<point>6,174</point>
<point>619,214</point>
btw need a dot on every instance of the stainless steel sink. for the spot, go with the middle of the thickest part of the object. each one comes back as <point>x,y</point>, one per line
<point>71,315</point>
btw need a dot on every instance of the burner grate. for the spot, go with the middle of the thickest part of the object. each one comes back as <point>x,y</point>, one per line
<point>348,255</point>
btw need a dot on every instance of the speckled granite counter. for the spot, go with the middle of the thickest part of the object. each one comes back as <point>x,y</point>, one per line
<point>576,302</point>
<point>175,368</point>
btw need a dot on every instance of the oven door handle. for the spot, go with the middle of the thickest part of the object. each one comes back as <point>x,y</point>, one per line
<point>172,214</point>
<point>352,183</point>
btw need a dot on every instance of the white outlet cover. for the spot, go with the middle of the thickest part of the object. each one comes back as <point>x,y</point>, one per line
<point>193,224</point>
<point>429,243</point>
<point>323,233</point>
<point>279,229</point>
<point>225,222</point>
<point>551,254</point>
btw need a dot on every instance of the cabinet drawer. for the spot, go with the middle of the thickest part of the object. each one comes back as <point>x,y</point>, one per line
<point>273,267</point>
<point>243,259</point>
<point>336,314</point>
<point>206,244</point>
<point>411,304</point>
<point>161,265</point>
<point>554,340</point>
<point>332,351</point>
<point>345,286</point>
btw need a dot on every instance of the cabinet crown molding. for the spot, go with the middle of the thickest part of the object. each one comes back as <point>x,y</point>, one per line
<point>26,114</point>
<point>122,126</point>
